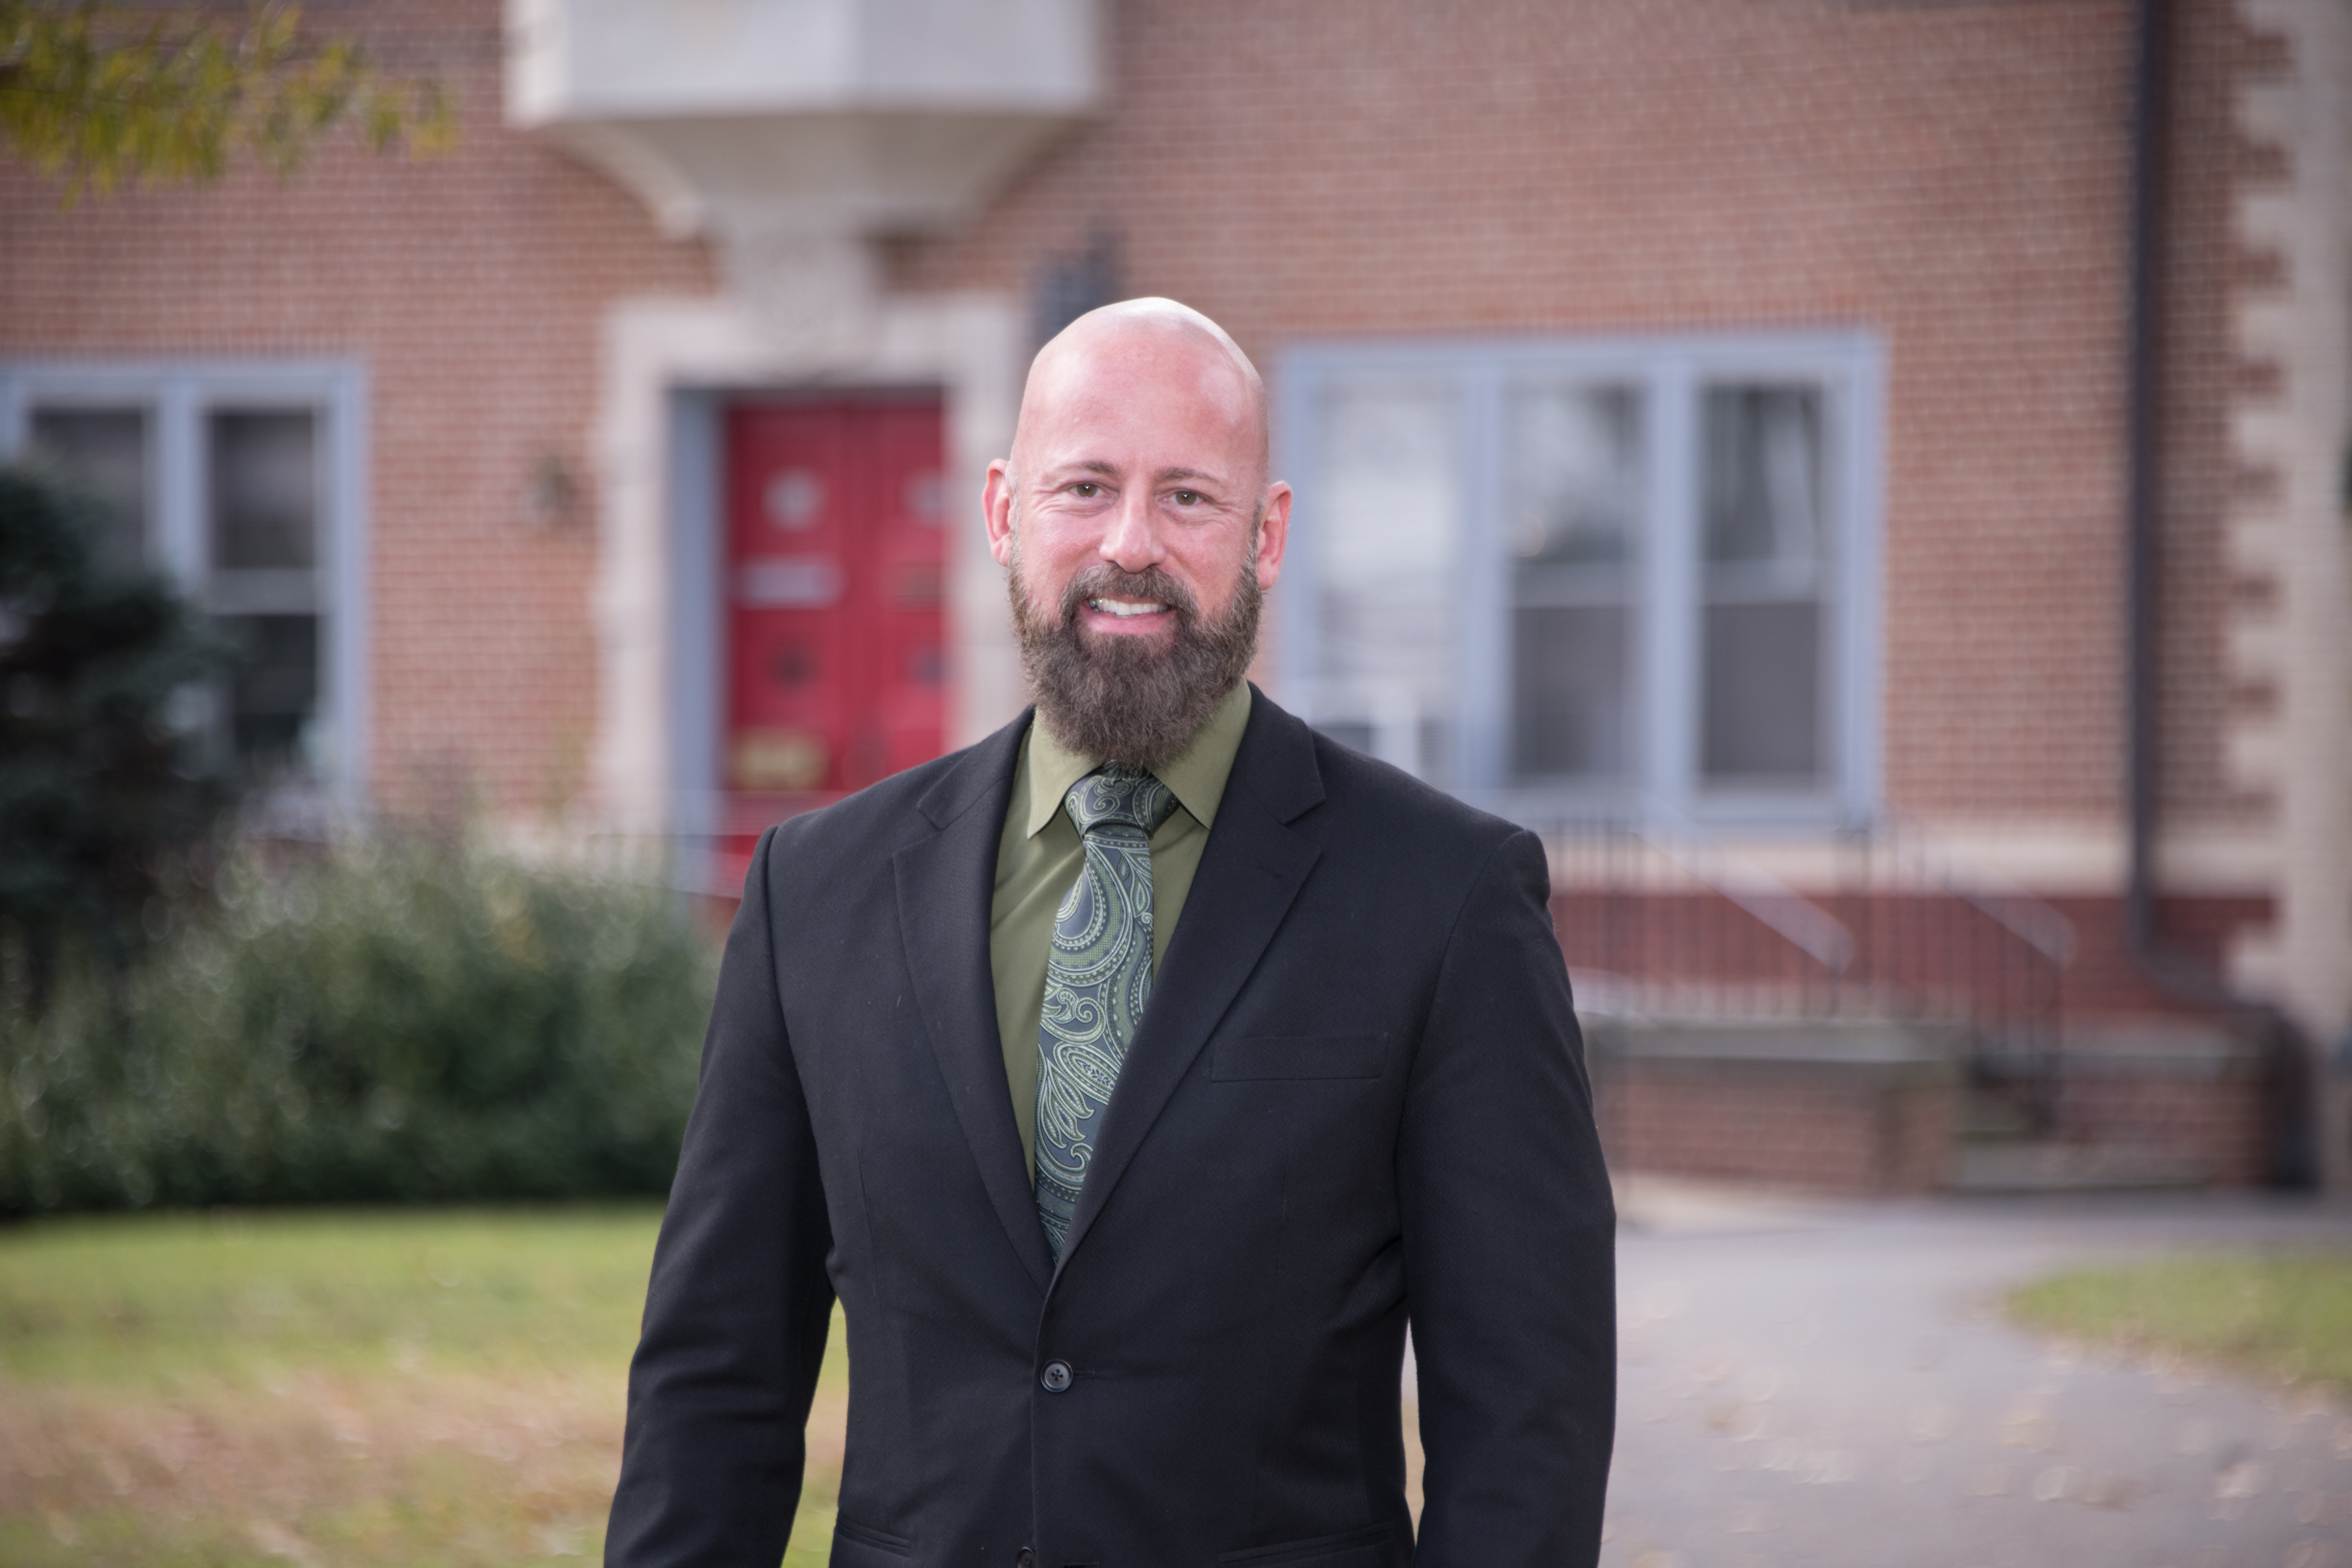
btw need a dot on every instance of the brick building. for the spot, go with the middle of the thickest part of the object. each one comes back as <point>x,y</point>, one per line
<point>1725,433</point>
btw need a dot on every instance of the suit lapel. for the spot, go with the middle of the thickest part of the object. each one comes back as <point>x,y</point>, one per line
<point>945,882</point>
<point>1251,870</point>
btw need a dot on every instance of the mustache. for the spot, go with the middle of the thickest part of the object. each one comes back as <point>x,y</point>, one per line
<point>1108,581</point>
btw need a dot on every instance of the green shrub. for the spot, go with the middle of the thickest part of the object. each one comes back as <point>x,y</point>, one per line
<point>105,794</point>
<point>401,1020</point>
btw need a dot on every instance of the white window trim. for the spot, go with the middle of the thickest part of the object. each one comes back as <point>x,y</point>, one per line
<point>180,391</point>
<point>1668,368</point>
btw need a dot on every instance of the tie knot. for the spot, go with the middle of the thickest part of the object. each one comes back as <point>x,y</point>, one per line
<point>1114,797</point>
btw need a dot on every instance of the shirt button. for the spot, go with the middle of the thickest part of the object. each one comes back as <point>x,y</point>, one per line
<point>1057,1376</point>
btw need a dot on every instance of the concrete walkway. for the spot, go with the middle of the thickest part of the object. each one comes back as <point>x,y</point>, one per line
<point>1818,1386</point>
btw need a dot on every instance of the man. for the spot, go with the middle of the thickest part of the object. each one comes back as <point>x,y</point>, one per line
<point>1132,1078</point>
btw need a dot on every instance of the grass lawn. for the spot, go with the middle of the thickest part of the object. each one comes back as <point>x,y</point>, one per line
<point>403,1387</point>
<point>2278,1316</point>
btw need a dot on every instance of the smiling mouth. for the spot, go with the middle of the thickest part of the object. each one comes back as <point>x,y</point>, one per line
<point>1124,608</point>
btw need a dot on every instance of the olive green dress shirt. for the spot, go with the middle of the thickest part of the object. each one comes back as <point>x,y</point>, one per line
<point>1038,855</point>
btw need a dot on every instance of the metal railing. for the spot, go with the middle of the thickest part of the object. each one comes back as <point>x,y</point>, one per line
<point>1675,920</point>
<point>1680,922</point>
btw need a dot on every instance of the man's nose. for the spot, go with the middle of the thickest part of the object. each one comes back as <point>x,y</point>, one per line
<point>1131,541</point>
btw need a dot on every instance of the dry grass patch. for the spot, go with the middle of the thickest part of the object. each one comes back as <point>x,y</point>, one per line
<point>392,1388</point>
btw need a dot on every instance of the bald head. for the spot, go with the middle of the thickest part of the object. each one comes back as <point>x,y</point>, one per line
<point>1149,347</point>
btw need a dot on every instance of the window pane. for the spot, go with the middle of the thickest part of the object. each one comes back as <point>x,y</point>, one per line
<point>1388,536</point>
<point>265,490</point>
<point>1575,474</point>
<point>105,451</point>
<point>274,695</point>
<point>1568,708</point>
<point>1768,521</point>
<point>1764,476</point>
<point>1574,523</point>
<point>1763,706</point>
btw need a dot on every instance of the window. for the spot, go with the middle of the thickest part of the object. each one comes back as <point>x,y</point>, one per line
<point>1621,577</point>
<point>1573,524</point>
<point>242,481</point>
<point>107,450</point>
<point>1386,592</point>
<point>263,506</point>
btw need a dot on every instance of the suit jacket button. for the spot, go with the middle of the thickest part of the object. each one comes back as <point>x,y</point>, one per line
<point>1024,1558</point>
<point>1057,1376</point>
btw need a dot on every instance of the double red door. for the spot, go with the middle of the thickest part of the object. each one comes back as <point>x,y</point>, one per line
<point>836,581</point>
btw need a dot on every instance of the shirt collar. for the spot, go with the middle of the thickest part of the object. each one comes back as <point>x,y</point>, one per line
<point>1196,777</point>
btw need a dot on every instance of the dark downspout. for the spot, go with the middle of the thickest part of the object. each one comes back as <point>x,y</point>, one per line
<point>2287,1061</point>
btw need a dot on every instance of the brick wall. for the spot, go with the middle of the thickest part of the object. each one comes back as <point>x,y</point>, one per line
<point>2102,982</point>
<point>2215,1127</point>
<point>1798,1126</point>
<point>1952,176</point>
<point>472,287</point>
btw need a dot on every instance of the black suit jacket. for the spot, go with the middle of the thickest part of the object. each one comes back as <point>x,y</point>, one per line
<point>1358,1096</point>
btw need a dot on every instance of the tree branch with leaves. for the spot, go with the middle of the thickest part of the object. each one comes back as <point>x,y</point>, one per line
<point>104,96</point>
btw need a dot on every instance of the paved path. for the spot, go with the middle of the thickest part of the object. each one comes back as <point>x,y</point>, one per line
<point>1831,1386</point>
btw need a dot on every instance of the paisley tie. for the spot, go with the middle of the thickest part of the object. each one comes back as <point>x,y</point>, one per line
<point>1098,978</point>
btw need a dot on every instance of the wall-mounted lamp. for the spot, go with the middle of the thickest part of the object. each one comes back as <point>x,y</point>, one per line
<point>553,496</point>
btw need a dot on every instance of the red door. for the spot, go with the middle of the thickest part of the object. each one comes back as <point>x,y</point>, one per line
<point>836,577</point>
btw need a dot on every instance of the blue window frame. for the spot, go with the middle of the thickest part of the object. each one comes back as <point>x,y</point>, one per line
<point>1628,578</point>
<point>245,482</point>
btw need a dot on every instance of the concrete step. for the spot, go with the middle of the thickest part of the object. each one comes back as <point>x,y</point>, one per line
<point>1987,1117</point>
<point>2045,1165</point>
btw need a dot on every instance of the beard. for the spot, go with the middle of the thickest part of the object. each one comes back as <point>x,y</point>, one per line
<point>1135,701</point>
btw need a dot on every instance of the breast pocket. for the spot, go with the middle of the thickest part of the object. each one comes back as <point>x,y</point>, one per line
<point>1241,1058</point>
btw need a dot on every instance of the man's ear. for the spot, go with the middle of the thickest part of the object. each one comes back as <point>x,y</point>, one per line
<point>996,501</point>
<point>1273,535</point>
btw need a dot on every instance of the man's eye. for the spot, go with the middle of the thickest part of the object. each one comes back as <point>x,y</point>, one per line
<point>1086,489</point>
<point>1188,498</point>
